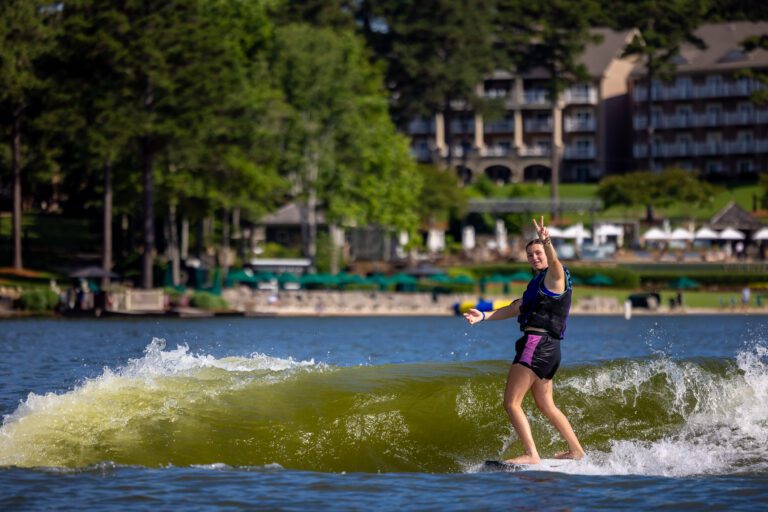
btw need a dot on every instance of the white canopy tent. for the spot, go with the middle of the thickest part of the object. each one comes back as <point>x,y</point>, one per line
<point>603,231</point>
<point>761,234</point>
<point>731,234</point>
<point>681,234</point>
<point>705,233</point>
<point>577,232</point>
<point>655,235</point>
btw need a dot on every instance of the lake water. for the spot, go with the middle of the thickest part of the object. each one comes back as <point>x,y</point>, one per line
<point>386,412</point>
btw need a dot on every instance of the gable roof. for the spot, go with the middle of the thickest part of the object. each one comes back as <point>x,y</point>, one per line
<point>289,215</point>
<point>734,216</point>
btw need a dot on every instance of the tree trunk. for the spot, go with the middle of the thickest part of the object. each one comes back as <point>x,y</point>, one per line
<point>310,210</point>
<point>106,251</point>
<point>333,230</point>
<point>225,230</point>
<point>149,213</point>
<point>173,245</point>
<point>650,128</point>
<point>555,158</point>
<point>16,164</point>
<point>184,238</point>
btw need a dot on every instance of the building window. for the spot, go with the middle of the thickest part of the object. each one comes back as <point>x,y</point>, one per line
<point>745,136</point>
<point>714,166</point>
<point>714,80</point>
<point>744,166</point>
<point>686,165</point>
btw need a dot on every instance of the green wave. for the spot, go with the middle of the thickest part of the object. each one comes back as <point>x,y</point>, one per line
<point>441,417</point>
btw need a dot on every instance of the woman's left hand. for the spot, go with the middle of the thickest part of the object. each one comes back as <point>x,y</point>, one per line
<point>541,229</point>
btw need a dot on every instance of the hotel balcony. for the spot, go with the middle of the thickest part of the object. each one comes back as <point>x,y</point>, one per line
<point>535,151</point>
<point>579,153</point>
<point>581,96</point>
<point>496,151</point>
<point>499,127</point>
<point>421,154</point>
<point>703,120</point>
<point>691,92</point>
<point>694,149</point>
<point>538,125</point>
<point>421,127</point>
<point>462,127</point>
<point>535,97</point>
<point>575,124</point>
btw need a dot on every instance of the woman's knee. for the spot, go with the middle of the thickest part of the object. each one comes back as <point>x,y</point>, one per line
<point>512,405</point>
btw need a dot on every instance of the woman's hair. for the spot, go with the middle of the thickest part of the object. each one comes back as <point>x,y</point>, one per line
<point>532,242</point>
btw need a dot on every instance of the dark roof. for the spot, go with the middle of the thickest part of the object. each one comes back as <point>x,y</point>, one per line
<point>723,51</point>
<point>288,215</point>
<point>734,216</point>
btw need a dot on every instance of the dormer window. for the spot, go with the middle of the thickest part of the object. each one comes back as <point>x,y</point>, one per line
<point>733,56</point>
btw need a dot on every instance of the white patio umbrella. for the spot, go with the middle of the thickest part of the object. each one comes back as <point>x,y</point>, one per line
<point>731,234</point>
<point>555,232</point>
<point>655,234</point>
<point>681,234</point>
<point>761,234</point>
<point>705,233</point>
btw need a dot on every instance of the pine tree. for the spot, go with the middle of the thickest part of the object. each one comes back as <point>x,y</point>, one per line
<point>25,36</point>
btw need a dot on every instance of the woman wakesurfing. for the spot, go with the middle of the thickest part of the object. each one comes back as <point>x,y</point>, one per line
<point>542,313</point>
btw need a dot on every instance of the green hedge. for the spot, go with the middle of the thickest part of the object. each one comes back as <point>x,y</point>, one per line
<point>714,278</point>
<point>38,300</point>
<point>621,277</point>
<point>205,300</point>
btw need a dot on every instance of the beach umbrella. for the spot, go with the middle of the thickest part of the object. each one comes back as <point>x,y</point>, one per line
<point>576,280</point>
<point>761,234</point>
<point>599,280</point>
<point>731,234</point>
<point>520,275</point>
<point>320,280</point>
<point>288,277</point>
<point>463,279</point>
<point>683,283</point>
<point>440,278</point>
<point>402,279</point>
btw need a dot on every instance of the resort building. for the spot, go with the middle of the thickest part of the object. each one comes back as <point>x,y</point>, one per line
<point>704,117</point>
<point>589,127</point>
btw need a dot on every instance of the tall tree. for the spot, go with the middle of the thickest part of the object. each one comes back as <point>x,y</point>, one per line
<point>664,25</point>
<point>25,36</point>
<point>549,35</point>
<point>437,53</point>
<point>340,146</point>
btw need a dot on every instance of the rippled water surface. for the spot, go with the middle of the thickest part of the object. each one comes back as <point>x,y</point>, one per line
<point>393,413</point>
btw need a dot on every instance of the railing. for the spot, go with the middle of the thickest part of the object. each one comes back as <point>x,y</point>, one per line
<point>499,127</point>
<point>576,152</point>
<point>421,127</point>
<point>496,151</point>
<point>575,124</point>
<point>535,151</point>
<point>463,126</point>
<point>538,125</point>
<point>640,122</point>
<point>588,96</point>
<point>725,89</point>
<point>535,98</point>
<point>681,149</point>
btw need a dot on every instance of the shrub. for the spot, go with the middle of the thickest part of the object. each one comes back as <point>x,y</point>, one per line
<point>205,300</point>
<point>38,300</point>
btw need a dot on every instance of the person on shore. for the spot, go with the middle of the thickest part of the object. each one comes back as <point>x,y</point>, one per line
<point>542,313</point>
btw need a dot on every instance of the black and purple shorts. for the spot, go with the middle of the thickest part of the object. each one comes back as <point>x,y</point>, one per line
<point>540,352</point>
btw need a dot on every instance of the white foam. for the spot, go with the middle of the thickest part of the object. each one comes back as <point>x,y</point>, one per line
<point>725,431</point>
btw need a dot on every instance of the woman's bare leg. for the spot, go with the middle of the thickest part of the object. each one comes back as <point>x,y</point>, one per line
<point>542,394</point>
<point>519,381</point>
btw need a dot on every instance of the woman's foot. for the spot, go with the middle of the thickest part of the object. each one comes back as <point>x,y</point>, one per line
<point>524,459</point>
<point>570,455</point>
